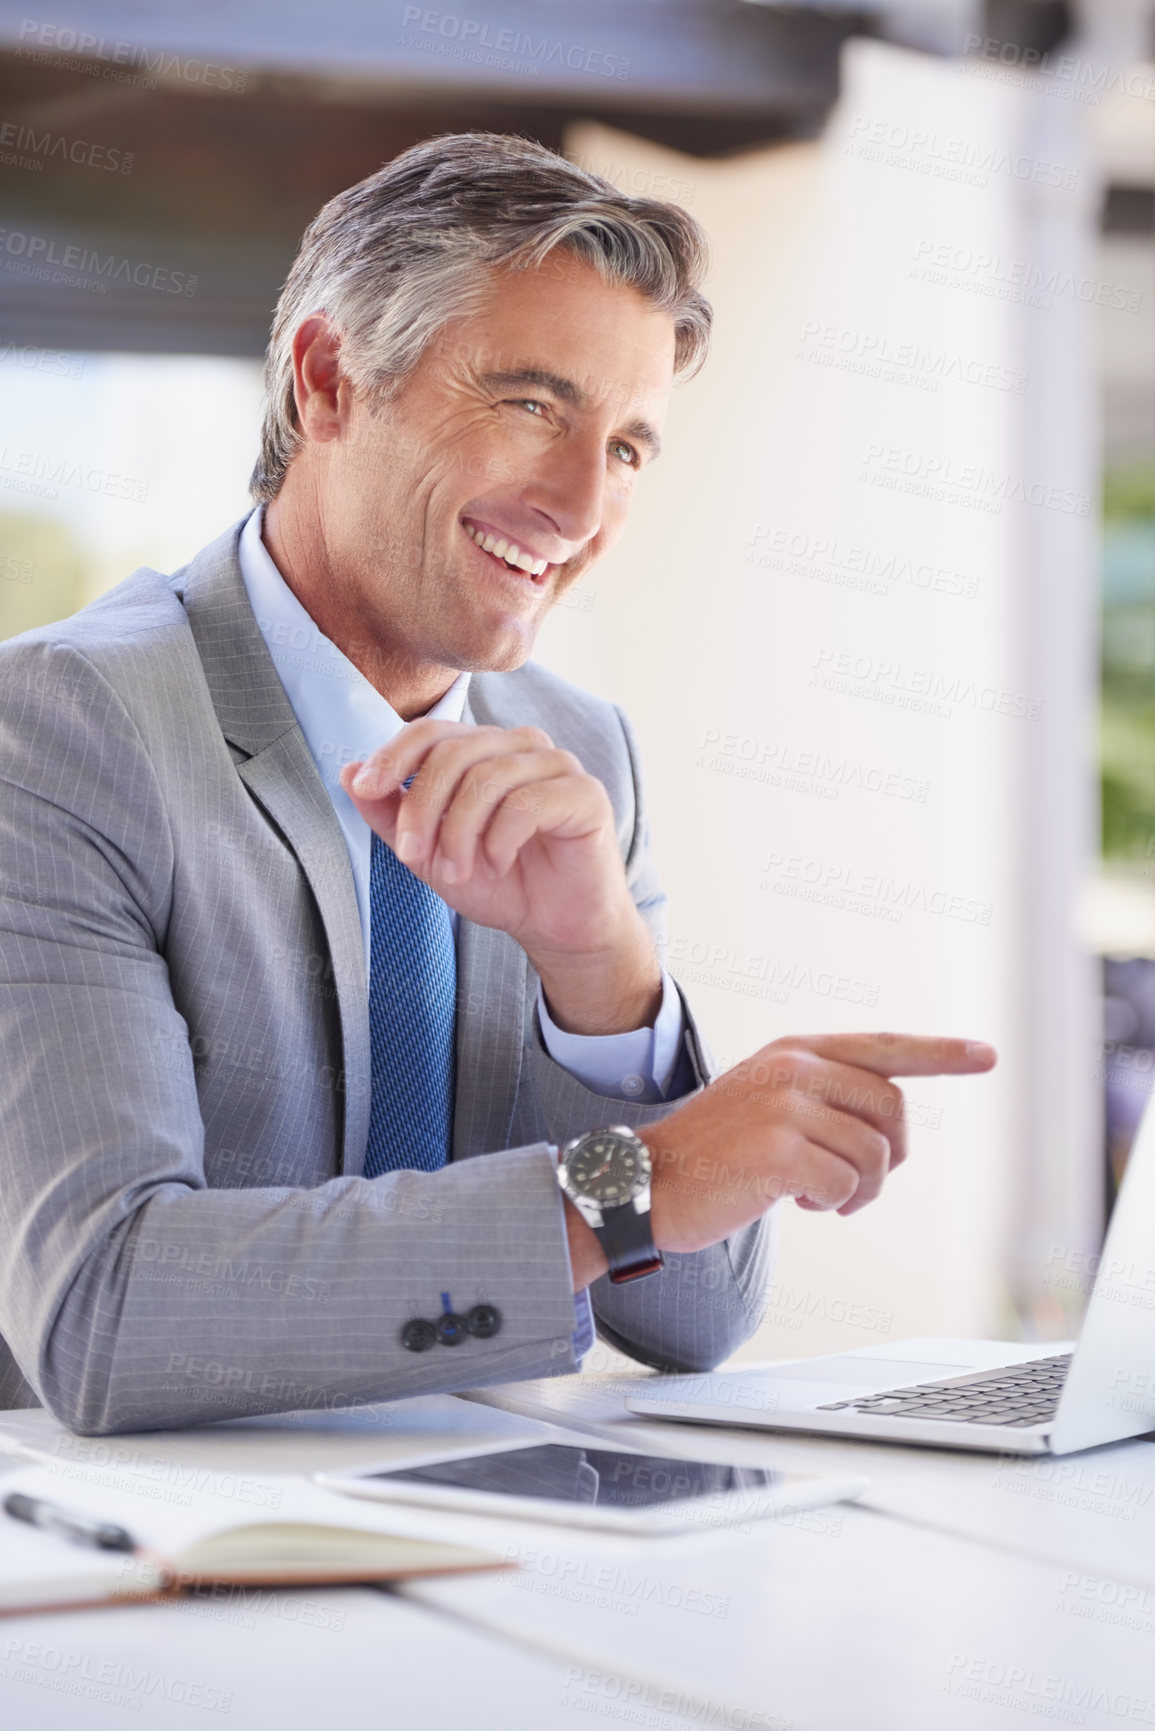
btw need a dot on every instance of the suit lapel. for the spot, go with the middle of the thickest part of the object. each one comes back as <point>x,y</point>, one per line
<point>256,716</point>
<point>283,779</point>
<point>491,1007</point>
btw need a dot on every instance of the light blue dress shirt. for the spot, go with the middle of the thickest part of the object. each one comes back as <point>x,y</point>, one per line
<point>343,719</point>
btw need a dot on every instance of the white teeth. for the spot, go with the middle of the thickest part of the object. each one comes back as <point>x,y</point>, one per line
<point>507,550</point>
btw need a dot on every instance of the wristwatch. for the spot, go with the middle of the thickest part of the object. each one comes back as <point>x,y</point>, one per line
<point>606,1175</point>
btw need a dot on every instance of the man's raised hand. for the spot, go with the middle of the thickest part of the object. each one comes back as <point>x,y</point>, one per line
<point>514,833</point>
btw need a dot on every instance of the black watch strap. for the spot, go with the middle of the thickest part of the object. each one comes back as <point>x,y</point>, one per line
<point>628,1241</point>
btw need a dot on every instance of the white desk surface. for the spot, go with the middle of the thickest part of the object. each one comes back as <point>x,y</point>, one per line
<point>1095,1509</point>
<point>950,1601</point>
<point>845,1620</point>
<point>338,1660</point>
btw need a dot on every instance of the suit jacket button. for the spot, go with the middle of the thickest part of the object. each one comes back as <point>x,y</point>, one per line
<point>418,1335</point>
<point>450,1329</point>
<point>483,1321</point>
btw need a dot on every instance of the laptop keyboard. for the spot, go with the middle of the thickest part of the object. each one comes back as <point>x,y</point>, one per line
<point>1015,1395</point>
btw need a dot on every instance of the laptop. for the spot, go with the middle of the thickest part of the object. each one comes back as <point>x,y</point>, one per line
<point>1009,1399</point>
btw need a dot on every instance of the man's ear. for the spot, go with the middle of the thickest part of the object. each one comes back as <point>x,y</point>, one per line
<point>318,380</point>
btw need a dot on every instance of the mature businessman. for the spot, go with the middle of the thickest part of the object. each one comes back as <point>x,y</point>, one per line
<point>327,919</point>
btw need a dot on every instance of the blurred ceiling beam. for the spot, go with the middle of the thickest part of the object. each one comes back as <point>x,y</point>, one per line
<point>230,126</point>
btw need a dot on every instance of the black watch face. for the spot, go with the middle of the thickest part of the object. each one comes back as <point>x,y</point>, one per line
<point>607,1170</point>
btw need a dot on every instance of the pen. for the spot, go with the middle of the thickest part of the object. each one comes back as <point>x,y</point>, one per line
<point>102,1535</point>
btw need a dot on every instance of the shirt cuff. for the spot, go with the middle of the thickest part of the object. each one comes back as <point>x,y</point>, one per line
<point>638,1065</point>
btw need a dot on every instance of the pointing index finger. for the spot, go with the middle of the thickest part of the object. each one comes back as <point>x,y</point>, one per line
<point>905,1054</point>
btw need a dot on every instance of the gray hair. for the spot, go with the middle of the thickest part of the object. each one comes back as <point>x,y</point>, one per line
<point>392,260</point>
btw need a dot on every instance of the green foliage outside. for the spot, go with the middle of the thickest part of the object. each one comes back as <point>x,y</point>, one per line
<point>1127,733</point>
<point>42,572</point>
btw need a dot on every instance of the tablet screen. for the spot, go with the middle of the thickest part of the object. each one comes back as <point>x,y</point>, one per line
<point>607,1478</point>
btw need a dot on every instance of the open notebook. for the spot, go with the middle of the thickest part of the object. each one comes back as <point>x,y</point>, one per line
<point>301,1536</point>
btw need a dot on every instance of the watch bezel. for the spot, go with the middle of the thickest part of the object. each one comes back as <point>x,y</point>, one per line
<point>577,1145</point>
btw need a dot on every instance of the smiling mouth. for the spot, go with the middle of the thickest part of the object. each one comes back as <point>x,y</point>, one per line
<point>507,554</point>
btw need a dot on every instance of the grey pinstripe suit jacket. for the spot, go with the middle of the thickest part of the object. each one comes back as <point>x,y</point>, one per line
<point>184,1080</point>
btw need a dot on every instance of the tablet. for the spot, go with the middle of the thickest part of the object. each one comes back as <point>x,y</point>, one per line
<point>571,1484</point>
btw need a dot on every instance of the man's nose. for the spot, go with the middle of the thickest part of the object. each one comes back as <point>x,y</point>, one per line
<point>569,488</point>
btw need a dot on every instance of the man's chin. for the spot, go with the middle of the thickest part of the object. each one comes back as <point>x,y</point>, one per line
<point>507,661</point>
<point>496,652</point>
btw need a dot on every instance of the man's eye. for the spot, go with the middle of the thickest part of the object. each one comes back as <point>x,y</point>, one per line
<point>631,456</point>
<point>532,404</point>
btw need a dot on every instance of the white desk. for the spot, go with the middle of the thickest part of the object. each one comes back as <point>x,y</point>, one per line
<point>852,1618</point>
<point>845,1620</point>
<point>337,1660</point>
<point>1095,1509</point>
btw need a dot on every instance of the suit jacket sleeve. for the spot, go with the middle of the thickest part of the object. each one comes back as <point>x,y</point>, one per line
<point>700,1307</point>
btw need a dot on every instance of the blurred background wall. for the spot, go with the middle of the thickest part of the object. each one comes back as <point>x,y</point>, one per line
<point>895,782</point>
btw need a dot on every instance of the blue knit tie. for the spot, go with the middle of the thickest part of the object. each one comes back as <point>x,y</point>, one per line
<point>412,1010</point>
